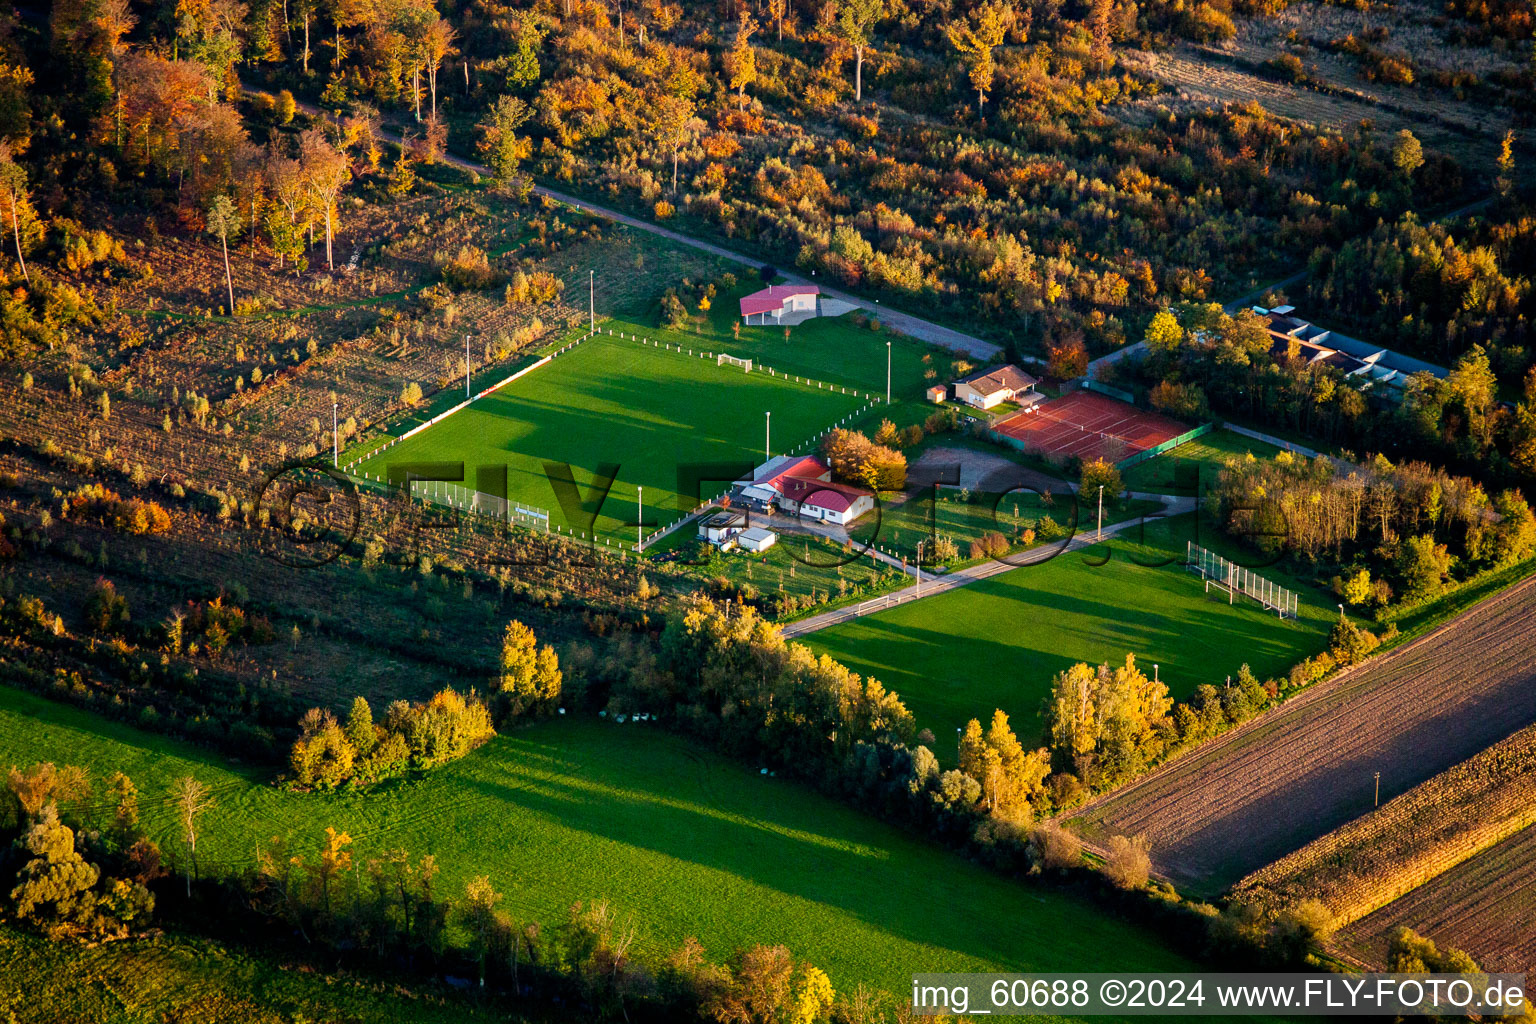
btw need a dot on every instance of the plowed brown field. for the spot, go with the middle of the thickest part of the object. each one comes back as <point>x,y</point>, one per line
<point>1381,856</point>
<point>1485,905</point>
<point>1307,767</point>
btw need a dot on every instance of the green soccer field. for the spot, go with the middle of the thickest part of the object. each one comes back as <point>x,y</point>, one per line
<point>998,643</point>
<point>647,410</point>
<point>831,348</point>
<point>687,842</point>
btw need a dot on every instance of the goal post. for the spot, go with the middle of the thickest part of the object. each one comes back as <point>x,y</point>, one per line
<point>1235,580</point>
<point>723,360</point>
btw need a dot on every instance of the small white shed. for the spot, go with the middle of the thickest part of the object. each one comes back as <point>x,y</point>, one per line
<point>756,539</point>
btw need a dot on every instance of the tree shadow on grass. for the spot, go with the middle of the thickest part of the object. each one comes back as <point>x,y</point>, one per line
<point>773,834</point>
<point>639,789</point>
<point>999,643</point>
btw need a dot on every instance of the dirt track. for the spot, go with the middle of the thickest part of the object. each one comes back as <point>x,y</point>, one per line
<point>1302,770</point>
<point>1486,906</point>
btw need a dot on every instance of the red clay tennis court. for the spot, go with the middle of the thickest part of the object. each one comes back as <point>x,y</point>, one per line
<point>1087,425</point>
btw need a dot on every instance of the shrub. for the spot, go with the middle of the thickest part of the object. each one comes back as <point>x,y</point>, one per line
<point>1127,863</point>
<point>107,610</point>
<point>1287,67</point>
<point>989,545</point>
<point>321,757</point>
<point>1349,643</point>
<point>1053,848</point>
<point>1048,529</point>
<point>444,728</point>
<point>469,268</point>
<point>127,515</point>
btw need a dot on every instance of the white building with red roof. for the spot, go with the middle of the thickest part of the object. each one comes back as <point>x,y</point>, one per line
<point>781,303</point>
<point>802,485</point>
<point>830,502</point>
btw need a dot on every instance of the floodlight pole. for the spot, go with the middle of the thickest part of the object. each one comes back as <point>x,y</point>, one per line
<point>591,301</point>
<point>919,568</point>
<point>1101,513</point>
<point>466,367</point>
<point>887,373</point>
<point>1154,673</point>
<point>1378,789</point>
<point>767,436</point>
<point>639,517</point>
<point>335,442</point>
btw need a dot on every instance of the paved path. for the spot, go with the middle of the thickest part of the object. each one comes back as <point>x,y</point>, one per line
<point>930,586</point>
<point>902,323</point>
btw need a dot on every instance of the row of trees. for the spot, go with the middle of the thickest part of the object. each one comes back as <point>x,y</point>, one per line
<point>1409,522</point>
<point>731,679</point>
<point>1109,724</point>
<point>393,906</point>
<point>84,869</point>
<point>415,737</point>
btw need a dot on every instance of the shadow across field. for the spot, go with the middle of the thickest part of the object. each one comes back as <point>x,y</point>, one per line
<point>685,841</point>
<point>998,643</point>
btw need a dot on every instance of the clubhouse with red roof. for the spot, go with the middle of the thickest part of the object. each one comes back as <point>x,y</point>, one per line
<point>779,301</point>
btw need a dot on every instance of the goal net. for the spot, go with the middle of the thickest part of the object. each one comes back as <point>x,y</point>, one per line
<point>722,360</point>
<point>467,499</point>
<point>1234,580</point>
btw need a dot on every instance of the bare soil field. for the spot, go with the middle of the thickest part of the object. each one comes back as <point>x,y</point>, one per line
<point>1308,767</point>
<point>1485,905</point>
<point>1413,838</point>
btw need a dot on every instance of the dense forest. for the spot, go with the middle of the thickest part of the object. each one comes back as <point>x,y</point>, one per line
<point>988,161</point>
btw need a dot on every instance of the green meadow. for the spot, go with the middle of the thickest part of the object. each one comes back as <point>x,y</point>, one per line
<point>834,349</point>
<point>687,842</point>
<point>1200,459</point>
